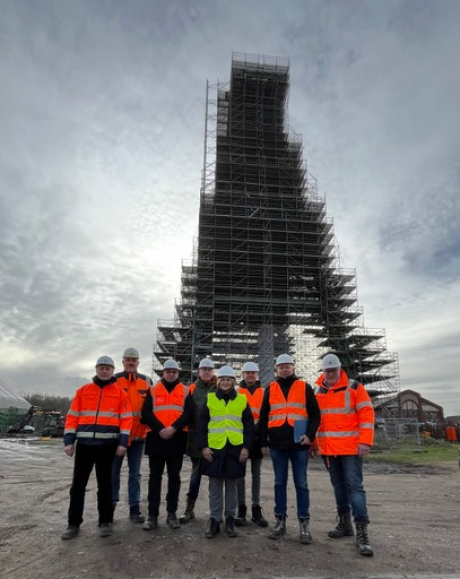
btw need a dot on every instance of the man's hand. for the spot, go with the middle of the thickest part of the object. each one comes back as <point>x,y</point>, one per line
<point>304,440</point>
<point>167,433</point>
<point>363,450</point>
<point>69,449</point>
<point>244,455</point>
<point>121,450</point>
<point>313,451</point>
<point>207,454</point>
<point>265,450</point>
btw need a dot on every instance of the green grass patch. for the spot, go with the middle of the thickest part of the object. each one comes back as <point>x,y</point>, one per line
<point>428,452</point>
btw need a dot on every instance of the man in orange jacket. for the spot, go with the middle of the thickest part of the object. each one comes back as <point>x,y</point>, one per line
<point>97,428</point>
<point>136,386</point>
<point>344,437</point>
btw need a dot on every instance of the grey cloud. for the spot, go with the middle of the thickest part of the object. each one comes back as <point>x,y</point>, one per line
<point>102,123</point>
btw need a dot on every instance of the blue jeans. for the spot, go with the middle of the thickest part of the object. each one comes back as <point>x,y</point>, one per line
<point>195,479</point>
<point>346,473</point>
<point>299,462</point>
<point>134,452</point>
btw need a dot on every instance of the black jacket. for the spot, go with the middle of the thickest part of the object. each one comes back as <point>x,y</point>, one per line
<point>199,397</point>
<point>256,451</point>
<point>282,437</point>
<point>155,445</point>
<point>226,461</point>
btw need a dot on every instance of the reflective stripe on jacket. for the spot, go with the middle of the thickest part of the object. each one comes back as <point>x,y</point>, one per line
<point>347,417</point>
<point>254,400</point>
<point>136,386</point>
<point>168,406</point>
<point>99,414</point>
<point>290,410</point>
<point>225,421</point>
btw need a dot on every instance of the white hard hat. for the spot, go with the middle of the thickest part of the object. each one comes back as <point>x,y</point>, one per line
<point>226,372</point>
<point>171,365</point>
<point>206,363</point>
<point>330,362</point>
<point>250,367</point>
<point>130,353</point>
<point>284,359</point>
<point>105,361</point>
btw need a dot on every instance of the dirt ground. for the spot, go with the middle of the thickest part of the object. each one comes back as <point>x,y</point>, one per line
<point>415,528</point>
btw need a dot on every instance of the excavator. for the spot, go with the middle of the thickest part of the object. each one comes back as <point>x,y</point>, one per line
<point>38,421</point>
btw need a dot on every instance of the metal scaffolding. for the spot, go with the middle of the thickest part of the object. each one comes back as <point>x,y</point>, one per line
<point>265,276</point>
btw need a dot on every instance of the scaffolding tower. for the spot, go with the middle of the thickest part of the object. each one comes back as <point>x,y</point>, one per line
<point>265,276</point>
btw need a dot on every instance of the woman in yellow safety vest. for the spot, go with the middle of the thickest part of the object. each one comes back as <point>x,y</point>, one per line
<point>225,433</point>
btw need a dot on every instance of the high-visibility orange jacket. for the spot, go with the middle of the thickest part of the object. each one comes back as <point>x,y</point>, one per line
<point>347,417</point>
<point>136,386</point>
<point>254,399</point>
<point>290,410</point>
<point>168,407</point>
<point>98,415</point>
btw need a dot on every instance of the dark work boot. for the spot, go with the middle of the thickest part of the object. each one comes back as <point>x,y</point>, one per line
<point>362,540</point>
<point>230,527</point>
<point>135,515</point>
<point>304,532</point>
<point>105,530</point>
<point>171,521</point>
<point>258,517</point>
<point>279,528</point>
<point>240,519</point>
<point>151,523</point>
<point>344,527</point>
<point>71,532</point>
<point>212,528</point>
<point>188,513</point>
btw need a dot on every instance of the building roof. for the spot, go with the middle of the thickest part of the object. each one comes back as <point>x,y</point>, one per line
<point>10,398</point>
<point>383,401</point>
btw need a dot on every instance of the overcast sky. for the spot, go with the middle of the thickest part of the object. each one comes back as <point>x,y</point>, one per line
<point>102,111</point>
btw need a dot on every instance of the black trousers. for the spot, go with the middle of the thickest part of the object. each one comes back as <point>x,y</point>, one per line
<point>173,467</point>
<point>86,457</point>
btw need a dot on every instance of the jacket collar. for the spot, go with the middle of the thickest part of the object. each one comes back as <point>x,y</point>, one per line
<point>250,388</point>
<point>170,385</point>
<point>342,383</point>
<point>285,382</point>
<point>212,383</point>
<point>103,383</point>
<point>130,376</point>
<point>221,395</point>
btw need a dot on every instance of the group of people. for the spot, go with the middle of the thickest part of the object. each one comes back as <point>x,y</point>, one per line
<point>220,426</point>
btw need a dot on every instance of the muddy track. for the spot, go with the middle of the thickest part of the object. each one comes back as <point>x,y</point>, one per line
<point>415,530</point>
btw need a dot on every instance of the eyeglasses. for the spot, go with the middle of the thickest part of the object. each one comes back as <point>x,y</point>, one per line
<point>331,370</point>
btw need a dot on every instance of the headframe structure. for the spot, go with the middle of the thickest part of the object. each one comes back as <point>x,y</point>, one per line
<point>265,276</point>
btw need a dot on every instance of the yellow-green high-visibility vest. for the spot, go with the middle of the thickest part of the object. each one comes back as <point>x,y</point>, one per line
<point>226,421</point>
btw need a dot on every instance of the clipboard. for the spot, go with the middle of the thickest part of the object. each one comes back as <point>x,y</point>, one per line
<point>300,428</point>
